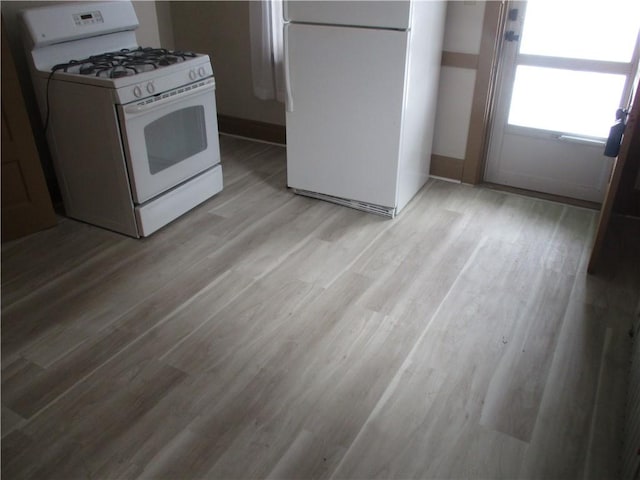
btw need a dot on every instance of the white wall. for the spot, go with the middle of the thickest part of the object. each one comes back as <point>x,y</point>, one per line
<point>463,32</point>
<point>455,97</point>
<point>221,30</point>
<point>463,27</point>
<point>155,28</point>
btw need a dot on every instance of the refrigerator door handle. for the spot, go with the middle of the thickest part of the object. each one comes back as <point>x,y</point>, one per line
<point>287,73</point>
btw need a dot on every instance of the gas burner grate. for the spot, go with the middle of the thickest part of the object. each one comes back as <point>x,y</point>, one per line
<point>124,62</point>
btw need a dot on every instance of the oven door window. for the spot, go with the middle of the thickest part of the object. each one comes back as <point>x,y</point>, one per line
<point>175,137</point>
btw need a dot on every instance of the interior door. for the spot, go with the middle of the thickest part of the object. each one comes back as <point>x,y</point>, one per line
<point>26,204</point>
<point>565,69</point>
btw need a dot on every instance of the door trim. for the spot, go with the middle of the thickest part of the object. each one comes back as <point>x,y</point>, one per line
<point>26,203</point>
<point>631,130</point>
<point>574,64</point>
<point>494,23</point>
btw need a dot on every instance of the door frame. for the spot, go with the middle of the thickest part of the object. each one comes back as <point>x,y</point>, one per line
<point>490,61</point>
<point>631,131</point>
<point>29,209</point>
<point>470,168</point>
<point>493,28</point>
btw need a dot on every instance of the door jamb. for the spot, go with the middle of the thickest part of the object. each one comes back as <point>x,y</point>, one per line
<point>494,23</point>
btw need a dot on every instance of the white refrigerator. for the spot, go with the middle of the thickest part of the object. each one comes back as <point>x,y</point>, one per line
<point>361,81</point>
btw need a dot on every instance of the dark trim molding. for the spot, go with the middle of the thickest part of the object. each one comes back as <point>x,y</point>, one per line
<point>243,127</point>
<point>459,60</point>
<point>544,196</point>
<point>447,167</point>
<point>493,25</point>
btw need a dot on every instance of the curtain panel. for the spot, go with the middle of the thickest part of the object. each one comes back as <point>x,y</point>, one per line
<point>267,50</point>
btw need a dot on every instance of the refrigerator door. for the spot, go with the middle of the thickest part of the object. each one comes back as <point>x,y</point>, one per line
<point>377,14</point>
<point>345,110</point>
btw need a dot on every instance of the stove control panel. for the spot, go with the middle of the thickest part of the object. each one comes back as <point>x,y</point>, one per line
<point>149,87</point>
<point>88,18</point>
<point>154,83</point>
<point>56,23</point>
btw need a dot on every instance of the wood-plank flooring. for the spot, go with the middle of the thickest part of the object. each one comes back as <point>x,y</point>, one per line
<point>268,335</point>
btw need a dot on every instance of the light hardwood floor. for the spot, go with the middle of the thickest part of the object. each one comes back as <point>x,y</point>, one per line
<point>267,335</point>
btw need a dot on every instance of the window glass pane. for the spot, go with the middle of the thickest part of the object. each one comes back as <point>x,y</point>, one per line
<point>175,137</point>
<point>582,103</point>
<point>587,29</point>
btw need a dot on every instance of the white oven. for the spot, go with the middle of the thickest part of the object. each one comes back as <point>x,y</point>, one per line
<point>132,130</point>
<point>167,140</point>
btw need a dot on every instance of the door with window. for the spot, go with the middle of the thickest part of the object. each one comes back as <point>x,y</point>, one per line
<point>565,68</point>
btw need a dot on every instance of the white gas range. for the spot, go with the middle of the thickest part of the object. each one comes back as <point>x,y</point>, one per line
<point>132,131</point>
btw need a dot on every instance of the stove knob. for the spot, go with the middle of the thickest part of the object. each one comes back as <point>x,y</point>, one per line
<point>137,91</point>
<point>150,88</point>
<point>192,74</point>
<point>201,72</point>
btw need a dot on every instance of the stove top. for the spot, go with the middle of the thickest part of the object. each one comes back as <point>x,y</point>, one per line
<point>125,62</point>
<point>132,72</point>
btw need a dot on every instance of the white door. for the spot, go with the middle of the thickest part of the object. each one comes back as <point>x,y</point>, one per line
<point>344,110</point>
<point>565,69</point>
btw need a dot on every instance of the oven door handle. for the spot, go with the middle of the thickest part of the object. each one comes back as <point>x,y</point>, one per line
<point>166,98</point>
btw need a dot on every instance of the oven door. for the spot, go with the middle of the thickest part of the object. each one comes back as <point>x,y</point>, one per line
<point>170,139</point>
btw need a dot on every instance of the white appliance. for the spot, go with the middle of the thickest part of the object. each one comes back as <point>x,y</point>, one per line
<point>361,82</point>
<point>132,131</point>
